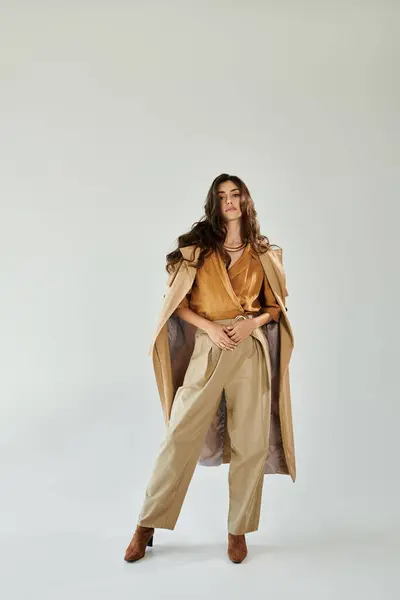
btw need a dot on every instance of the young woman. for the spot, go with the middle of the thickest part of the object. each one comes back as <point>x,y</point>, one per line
<point>221,352</point>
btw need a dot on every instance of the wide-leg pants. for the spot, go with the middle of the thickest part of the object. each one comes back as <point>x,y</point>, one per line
<point>243,374</point>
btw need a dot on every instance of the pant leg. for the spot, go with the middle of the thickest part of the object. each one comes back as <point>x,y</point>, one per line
<point>248,421</point>
<point>195,404</point>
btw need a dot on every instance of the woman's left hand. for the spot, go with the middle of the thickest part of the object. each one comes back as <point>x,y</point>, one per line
<point>240,330</point>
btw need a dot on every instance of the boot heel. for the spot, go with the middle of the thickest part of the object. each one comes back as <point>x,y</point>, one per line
<point>150,542</point>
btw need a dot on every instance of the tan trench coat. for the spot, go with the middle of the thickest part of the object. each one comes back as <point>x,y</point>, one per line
<point>172,346</point>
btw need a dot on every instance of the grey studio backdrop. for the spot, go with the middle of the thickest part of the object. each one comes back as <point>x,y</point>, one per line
<point>115,118</point>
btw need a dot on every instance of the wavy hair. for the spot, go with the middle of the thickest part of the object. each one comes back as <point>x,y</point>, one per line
<point>210,231</point>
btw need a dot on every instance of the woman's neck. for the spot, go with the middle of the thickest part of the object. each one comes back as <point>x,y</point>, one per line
<point>233,234</point>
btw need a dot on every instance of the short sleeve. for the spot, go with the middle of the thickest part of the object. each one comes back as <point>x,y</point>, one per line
<point>268,301</point>
<point>185,302</point>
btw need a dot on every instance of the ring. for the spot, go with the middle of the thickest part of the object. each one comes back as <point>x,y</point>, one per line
<point>239,317</point>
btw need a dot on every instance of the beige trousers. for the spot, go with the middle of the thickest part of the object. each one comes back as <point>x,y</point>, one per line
<point>243,374</point>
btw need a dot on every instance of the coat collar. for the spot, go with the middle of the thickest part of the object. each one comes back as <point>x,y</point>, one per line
<point>191,253</point>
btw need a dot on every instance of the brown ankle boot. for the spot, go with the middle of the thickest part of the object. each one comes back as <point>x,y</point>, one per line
<point>237,548</point>
<point>142,537</point>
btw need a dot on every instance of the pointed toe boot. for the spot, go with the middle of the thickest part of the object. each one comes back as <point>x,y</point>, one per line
<point>142,537</point>
<point>237,548</point>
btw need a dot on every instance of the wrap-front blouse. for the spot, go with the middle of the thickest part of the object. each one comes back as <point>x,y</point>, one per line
<point>221,293</point>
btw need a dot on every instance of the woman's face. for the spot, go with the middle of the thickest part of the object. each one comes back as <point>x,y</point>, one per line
<point>229,195</point>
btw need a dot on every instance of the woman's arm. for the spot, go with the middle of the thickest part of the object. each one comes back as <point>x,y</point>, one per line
<point>183,311</point>
<point>187,314</point>
<point>269,305</point>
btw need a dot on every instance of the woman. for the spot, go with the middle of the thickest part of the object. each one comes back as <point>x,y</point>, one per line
<point>220,353</point>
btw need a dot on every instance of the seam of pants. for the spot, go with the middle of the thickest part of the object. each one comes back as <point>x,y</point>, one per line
<point>186,463</point>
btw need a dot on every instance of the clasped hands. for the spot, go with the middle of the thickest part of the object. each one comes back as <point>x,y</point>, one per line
<point>227,337</point>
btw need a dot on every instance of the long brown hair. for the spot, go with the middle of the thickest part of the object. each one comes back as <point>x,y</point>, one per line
<point>210,231</point>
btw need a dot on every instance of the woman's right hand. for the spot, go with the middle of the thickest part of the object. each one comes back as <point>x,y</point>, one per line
<point>217,332</point>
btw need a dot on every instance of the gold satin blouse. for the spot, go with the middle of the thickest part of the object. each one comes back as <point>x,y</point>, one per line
<point>221,293</point>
